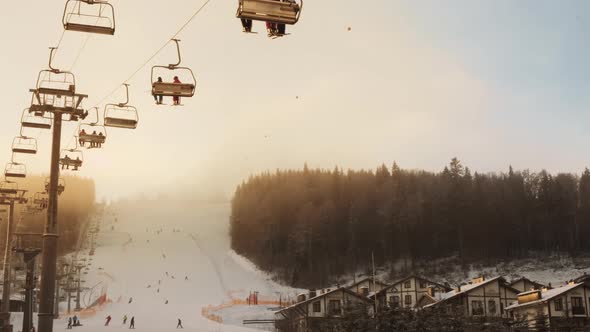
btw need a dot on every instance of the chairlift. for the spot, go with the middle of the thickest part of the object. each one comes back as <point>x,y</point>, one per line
<point>15,170</point>
<point>273,11</point>
<point>23,144</point>
<point>161,87</point>
<point>41,199</point>
<point>71,158</point>
<point>121,115</point>
<point>61,185</point>
<point>38,121</point>
<point>90,16</point>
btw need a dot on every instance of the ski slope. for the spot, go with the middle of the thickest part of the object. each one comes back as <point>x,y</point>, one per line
<point>170,260</point>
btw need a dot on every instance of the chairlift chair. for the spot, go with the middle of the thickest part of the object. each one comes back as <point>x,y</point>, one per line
<point>275,11</point>
<point>8,188</point>
<point>55,83</point>
<point>41,199</point>
<point>90,16</point>
<point>56,90</point>
<point>170,89</point>
<point>121,115</point>
<point>15,170</point>
<point>92,134</point>
<point>71,158</point>
<point>38,121</point>
<point>23,144</point>
<point>61,185</point>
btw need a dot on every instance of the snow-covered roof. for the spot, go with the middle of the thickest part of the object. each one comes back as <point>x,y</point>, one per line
<point>545,296</point>
<point>464,289</point>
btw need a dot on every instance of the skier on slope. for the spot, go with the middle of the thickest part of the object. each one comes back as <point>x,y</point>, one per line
<point>108,320</point>
<point>132,323</point>
<point>69,323</point>
<point>125,320</point>
<point>179,325</point>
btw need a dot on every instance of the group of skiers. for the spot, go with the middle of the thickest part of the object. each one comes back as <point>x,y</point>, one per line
<point>73,322</point>
<point>175,99</point>
<point>131,322</point>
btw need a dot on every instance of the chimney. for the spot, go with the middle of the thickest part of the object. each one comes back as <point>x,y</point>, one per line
<point>458,289</point>
<point>529,297</point>
<point>478,280</point>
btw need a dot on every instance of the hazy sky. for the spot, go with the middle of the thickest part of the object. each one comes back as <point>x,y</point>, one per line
<point>493,82</point>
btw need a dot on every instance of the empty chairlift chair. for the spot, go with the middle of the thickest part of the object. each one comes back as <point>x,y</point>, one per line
<point>56,90</point>
<point>15,170</point>
<point>38,121</point>
<point>163,83</point>
<point>71,158</point>
<point>8,189</point>
<point>121,115</point>
<point>26,145</point>
<point>90,16</point>
<point>274,11</point>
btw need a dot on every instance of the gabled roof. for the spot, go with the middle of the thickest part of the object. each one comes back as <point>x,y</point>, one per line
<point>416,277</point>
<point>319,296</point>
<point>525,279</point>
<point>469,287</point>
<point>545,296</point>
<point>354,284</point>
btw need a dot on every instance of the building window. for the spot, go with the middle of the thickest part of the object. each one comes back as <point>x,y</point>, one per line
<point>558,305</point>
<point>408,284</point>
<point>577,306</point>
<point>476,308</point>
<point>334,307</point>
<point>317,306</point>
<point>394,301</point>
<point>423,284</point>
<point>408,300</point>
<point>492,307</point>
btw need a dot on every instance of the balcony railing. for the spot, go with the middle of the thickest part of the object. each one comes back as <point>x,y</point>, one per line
<point>578,311</point>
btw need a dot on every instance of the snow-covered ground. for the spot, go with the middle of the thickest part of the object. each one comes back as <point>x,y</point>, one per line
<point>164,261</point>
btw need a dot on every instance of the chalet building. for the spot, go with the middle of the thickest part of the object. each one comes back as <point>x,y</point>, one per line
<point>564,308</point>
<point>411,292</point>
<point>367,286</point>
<point>480,298</point>
<point>524,285</point>
<point>314,310</point>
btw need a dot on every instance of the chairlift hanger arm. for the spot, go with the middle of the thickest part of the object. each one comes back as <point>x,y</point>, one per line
<point>52,49</point>
<point>177,41</point>
<point>126,95</point>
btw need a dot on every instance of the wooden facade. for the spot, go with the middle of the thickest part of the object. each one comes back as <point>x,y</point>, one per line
<point>313,313</point>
